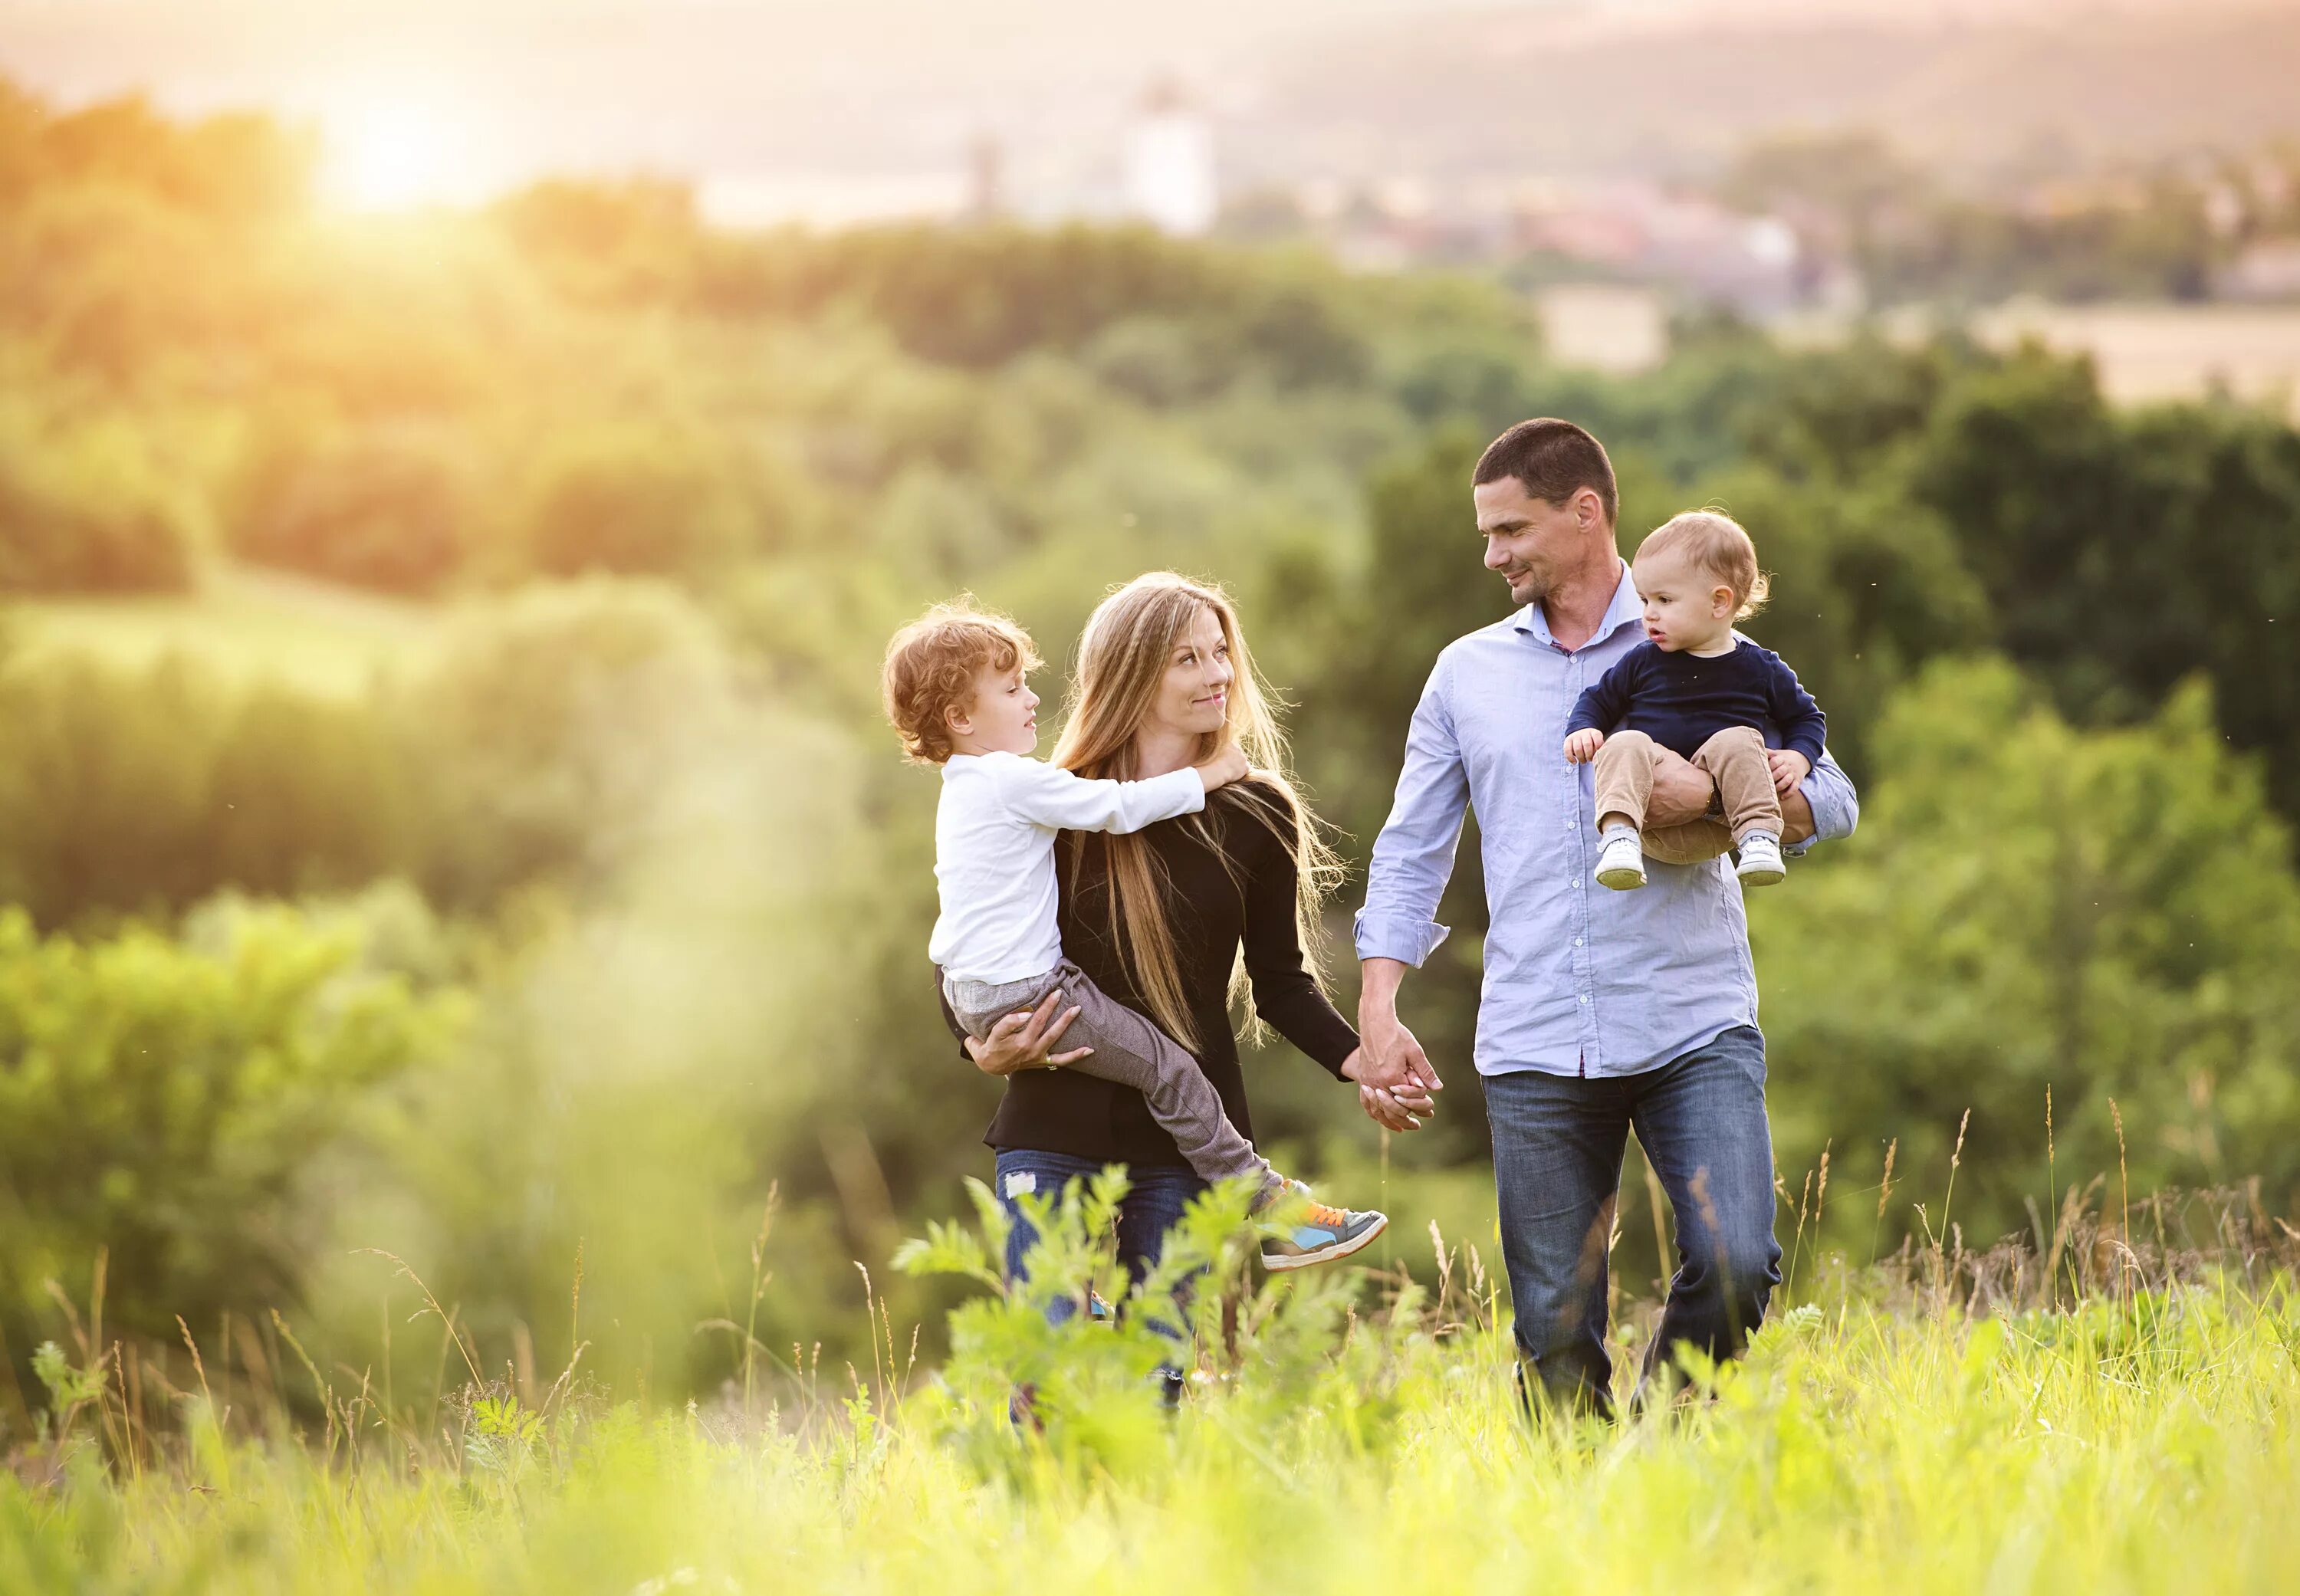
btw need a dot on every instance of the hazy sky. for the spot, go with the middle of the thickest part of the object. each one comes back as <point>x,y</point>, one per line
<point>472,95</point>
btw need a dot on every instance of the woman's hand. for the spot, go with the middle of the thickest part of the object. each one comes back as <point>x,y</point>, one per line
<point>1025,1040</point>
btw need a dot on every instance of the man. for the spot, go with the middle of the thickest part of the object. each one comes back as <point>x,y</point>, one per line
<point>1601,1012</point>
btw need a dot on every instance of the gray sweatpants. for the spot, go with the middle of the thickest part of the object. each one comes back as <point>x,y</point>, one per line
<point>1129,1050</point>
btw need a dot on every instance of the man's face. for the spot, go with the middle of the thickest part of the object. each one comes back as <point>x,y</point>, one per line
<point>1529,541</point>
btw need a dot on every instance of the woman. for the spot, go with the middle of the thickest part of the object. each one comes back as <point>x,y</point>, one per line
<point>1173,920</point>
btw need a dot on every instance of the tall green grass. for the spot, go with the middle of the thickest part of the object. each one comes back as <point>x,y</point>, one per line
<point>2113,1412</point>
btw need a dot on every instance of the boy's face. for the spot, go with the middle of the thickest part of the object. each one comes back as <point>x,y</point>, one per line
<point>1685,607</point>
<point>1000,717</point>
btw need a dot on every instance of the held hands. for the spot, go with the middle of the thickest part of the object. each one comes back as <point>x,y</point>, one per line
<point>1582,746</point>
<point>1227,766</point>
<point>1789,767</point>
<point>1394,1077</point>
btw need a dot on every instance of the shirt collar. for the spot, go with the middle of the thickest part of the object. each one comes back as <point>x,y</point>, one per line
<point>1625,609</point>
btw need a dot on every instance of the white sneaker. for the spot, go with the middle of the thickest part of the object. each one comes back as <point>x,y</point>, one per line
<point>1621,862</point>
<point>1760,861</point>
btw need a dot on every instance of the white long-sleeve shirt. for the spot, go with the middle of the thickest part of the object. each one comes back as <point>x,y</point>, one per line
<point>995,854</point>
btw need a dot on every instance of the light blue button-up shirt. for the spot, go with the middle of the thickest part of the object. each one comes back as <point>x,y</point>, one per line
<point>1579,979</point>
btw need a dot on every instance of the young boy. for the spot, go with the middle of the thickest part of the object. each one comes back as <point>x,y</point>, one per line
<point>954,688</point>
<point>1697,687</point>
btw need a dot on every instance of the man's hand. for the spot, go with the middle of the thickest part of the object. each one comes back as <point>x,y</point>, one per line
<point>1789,767</point>
<point>1227,766</point>
<point>1796,816</point>
<point>1681,791</point>
<point>1582,746</point>
<point>1388,1057</point>
<point>1026,1040</point>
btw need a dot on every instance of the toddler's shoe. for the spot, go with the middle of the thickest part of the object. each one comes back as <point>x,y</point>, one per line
<point>1319,1234</point>
<point>1621,862</point>
<point>1760,861</point>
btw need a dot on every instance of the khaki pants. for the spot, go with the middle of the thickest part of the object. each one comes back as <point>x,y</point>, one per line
<point>1735,757</point>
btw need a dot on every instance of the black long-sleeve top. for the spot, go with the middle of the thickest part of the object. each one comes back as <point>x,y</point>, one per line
<point>1681,700</point>
<point>1214,901</point>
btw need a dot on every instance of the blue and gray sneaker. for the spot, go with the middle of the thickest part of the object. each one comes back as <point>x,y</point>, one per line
<point>1315,1233</point>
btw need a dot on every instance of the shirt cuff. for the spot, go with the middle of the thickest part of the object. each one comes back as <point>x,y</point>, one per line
<point>1193,799</point>
<point>1834,809</point>
<point>1397,936</point>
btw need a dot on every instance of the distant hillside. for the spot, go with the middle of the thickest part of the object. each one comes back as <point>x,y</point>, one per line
<point>1506,90</point>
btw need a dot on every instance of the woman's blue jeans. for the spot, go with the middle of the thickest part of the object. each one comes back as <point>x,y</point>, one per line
<point>1154,1200</point>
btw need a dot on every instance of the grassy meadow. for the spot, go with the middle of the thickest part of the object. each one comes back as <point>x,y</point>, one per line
<point>2118,1414</point>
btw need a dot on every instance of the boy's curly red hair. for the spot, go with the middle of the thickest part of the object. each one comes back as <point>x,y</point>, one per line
<point>930,668</point>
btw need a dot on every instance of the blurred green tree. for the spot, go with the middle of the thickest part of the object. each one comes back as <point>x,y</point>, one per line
<point>391,507</point>
<point>162,1105</point>
<point>2112,914</point>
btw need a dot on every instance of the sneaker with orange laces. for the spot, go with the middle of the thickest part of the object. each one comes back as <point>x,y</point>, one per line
<point>1316,1234</point>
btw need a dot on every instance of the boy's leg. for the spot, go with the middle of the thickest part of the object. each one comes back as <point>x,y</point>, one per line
<point>1129,1050</point>
<point>1735,757</point>
<point>1625,778</point>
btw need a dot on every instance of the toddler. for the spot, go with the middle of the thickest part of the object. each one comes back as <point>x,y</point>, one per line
<point>955,689</point>
<point>1700,688</point>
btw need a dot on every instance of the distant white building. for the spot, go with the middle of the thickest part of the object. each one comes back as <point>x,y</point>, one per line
<point>1169,164</point>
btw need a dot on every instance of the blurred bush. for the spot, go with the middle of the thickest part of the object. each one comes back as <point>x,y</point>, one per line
<point>391,507</point>
<point>629,500</point>
<point>82,510</point>
<point>135,791</point>
<point>164,1102</point>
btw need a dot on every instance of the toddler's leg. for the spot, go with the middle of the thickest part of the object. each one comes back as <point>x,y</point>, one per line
<point>1129,1050</point>
<point>1625,778</point>
<point>1735,757</point>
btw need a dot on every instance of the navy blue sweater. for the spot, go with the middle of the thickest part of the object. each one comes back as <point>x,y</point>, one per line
<point>1680,700</point>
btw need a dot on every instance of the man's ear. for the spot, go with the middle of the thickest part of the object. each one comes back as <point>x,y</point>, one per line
<point>1588,509</point>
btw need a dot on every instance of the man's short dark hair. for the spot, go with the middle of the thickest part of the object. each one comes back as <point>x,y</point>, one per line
<point>1555,459</point>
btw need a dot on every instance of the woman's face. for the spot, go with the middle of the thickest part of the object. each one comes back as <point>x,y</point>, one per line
<point>1193,695</point>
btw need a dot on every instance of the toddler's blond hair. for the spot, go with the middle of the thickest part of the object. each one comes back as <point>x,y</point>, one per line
<point>1719,545</point>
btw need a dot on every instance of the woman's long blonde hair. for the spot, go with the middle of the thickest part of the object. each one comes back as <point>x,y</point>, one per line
<point>1122,660</point>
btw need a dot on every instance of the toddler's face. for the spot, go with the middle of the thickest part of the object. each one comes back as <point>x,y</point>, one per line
<point>1002,718</point>
<point>1686,607</point>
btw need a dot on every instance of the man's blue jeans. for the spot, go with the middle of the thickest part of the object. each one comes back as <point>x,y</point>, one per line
<point>1558,1144</point>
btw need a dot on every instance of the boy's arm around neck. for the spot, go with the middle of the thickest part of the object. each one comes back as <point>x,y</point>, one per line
<point>1049,795</point>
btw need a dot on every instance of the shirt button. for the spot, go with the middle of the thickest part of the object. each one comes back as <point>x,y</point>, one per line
<point>1584,997</point>
<point>1577,941</point>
